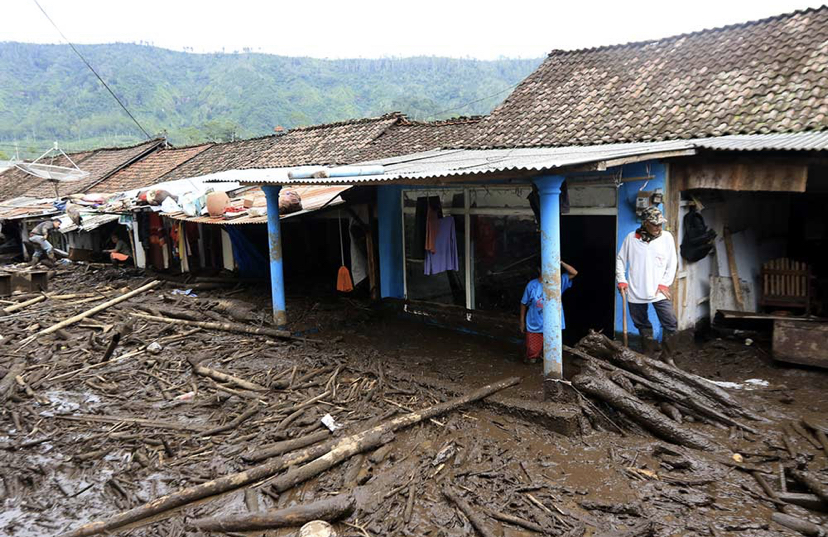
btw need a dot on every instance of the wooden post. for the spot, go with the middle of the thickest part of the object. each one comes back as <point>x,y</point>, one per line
<point>734,272</point>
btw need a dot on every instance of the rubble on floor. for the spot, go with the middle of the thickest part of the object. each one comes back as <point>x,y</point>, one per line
<point>172,414</point>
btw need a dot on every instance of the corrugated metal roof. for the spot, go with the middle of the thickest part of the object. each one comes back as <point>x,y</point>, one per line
<point>795,141</point>
<point>25,207</point>
<point>89,221</point>
<point>462,162</point>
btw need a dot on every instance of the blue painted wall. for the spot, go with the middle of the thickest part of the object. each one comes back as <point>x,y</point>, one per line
<point>627,223</point>
<point>389,214</point>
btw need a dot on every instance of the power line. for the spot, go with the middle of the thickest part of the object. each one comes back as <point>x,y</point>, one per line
<point>93,70</point>
<point>513,86</point>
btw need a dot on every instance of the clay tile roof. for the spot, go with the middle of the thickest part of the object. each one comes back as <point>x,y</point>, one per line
<point>223,157</point>
<point>758,77</point>
<point>406,137</point>
<point>100,163</point>
<point>332,143</point>
<point>150,169</point>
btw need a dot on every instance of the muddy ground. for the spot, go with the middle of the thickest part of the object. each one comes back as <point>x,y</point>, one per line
<point>82,439</point>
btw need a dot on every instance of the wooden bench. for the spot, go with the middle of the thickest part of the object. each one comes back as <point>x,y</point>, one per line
<point>786,284</point>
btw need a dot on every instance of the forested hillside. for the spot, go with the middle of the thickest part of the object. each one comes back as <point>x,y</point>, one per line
<point>47,94</point>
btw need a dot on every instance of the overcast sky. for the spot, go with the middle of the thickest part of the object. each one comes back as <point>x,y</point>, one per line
<point>370,29</point>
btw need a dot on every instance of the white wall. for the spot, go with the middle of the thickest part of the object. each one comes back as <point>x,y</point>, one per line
<point>758,223</point>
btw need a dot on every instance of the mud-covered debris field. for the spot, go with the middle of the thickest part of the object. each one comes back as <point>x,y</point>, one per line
<point>178,409</point>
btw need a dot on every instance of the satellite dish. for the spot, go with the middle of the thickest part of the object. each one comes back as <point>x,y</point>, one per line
<point>51,171</point>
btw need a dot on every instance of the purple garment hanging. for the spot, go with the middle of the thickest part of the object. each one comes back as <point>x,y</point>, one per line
<point>445,255</point>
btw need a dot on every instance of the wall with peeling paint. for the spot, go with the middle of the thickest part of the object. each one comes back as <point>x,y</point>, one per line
<point>628,222</point>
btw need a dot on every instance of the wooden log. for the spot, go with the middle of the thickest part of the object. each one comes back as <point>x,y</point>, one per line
<point>166,311</point>
<point>664,392</point>
<point>263,471</point>
<point>220,376</point>
<point>251,410</point>
<point>21,305</point>
<point>797,524</point>
<point>341,452</point>
<point>734,272</point>
<point>594,383</point>
<point>110,348</point>
<point>329,509</point>
<point>805,434</point>
<point>226,327</point>
<point>409,504</point>
<point>8,383</point>
<point>813,484</point>
<point>476,519</point>
<point>819,432</point>
<point>808,501</point>
<point>97,309</point>
<point>286,446</point>
<point>198,492</point>
<point>600,346</point>
<point>517,521</point>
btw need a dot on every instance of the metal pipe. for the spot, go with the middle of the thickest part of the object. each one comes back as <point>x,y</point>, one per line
<point>274,235</point>
<point>549,189</point>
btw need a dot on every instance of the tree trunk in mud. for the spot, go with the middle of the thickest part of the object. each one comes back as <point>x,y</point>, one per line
<point>684,397</point>
<point>257,473</point>
<point>344,450</point>
<point>597,385</point>
<point>8,383</point>
<point>286,446</point>
<point>198,492</point>
<point>474,517</point>
<point>220,376</point>
<point>669,376</point>
<point>226,327</point>
<point>797,524</point>
<point>329,509</point>
<point>812,483</point>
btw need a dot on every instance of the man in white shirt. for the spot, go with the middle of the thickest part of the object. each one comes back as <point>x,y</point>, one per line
<point>648,255</point>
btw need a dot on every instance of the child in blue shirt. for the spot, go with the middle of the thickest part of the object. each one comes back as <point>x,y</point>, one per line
<point>531,311</point>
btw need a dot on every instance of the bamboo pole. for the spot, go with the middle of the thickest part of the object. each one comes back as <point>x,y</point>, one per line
<point>96,309</point>
<point>324,451</point>
<point>21,305</point>
<point>226,327</point>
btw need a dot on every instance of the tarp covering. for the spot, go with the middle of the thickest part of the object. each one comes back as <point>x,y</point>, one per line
<point>251,262</point>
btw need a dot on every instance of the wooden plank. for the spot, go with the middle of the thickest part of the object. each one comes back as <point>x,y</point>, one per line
<point>748,315</point>
<point>801,342</point>
<point>734,272</point>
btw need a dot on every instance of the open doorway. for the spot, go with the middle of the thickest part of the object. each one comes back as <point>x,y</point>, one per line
<point>588,244</point>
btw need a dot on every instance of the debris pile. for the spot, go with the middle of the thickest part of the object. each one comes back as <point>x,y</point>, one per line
<point>168,414</point>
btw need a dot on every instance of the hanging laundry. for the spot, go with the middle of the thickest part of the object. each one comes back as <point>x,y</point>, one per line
<point>444,257</point>
<point>433,216</point>
<point>428,209</point>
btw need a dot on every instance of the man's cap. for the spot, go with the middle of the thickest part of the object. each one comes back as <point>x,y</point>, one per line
<point>653,216</point>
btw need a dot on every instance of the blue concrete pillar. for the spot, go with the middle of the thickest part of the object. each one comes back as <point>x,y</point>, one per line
<point>274,235</point>
<point>549,188</point>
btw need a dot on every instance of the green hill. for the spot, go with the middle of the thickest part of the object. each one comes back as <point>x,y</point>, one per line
<point>47,93</point>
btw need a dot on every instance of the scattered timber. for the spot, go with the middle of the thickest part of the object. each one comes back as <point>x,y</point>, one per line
<point>329,509</point>
<point>226,327</point>
<point>96,309</point>
<point>257,473</point>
